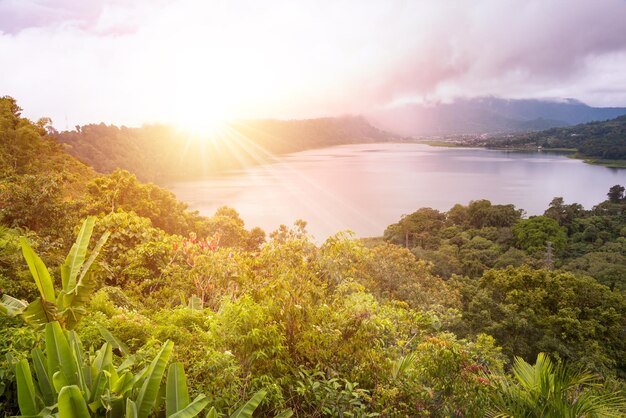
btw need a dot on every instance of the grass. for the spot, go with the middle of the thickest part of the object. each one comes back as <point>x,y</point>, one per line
<point>600,161</point>
<point>446,144</point>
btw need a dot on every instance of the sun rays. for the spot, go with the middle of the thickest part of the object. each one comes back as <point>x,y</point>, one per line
<point>233,143</point>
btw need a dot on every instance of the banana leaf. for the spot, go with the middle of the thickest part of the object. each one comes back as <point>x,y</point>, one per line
<point>177,395</point>
<point>152,382</point>
<point>114,341</point>
<point>94,254</point>
<point>26,395</point>
<point>247,409</point>
<point>11,306</point>
<point>192,409</point>
<point>72,404</point>
<point>131,409</point>
<point>60,357</point>
<point>39,313</point>
<point>39,271</point>
<point>46,388</point>
<point>76,257</point>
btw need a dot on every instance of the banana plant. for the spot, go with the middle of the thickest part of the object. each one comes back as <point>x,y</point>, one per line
<point>67,384</point>
<point>71,385</point>
<point>68,305</point>
<point>177,403</point>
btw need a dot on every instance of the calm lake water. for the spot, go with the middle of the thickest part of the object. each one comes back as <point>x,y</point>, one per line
<point>366,187</point>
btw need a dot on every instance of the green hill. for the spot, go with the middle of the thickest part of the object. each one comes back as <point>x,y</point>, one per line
<point>161,153</point>
<point>596,141</point>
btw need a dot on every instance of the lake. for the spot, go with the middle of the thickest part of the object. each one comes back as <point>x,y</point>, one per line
<point>366,187</point>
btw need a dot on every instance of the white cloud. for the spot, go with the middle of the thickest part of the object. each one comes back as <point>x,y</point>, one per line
<point>140,61</point>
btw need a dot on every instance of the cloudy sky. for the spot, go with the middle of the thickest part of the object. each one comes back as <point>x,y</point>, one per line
<point>135,61</point>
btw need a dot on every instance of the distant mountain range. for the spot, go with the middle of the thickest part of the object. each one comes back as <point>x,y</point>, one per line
<point>489,115</point>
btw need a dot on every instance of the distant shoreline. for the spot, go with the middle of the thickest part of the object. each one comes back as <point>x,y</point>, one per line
<point>568,152</point>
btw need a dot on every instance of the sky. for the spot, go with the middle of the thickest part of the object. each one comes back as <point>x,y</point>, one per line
<point>200,62</point>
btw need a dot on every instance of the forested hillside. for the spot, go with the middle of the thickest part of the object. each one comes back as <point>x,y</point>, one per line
<point>118,301</point>
<point>531,283</point>
<point>604,140</point>
<point>161,152</point>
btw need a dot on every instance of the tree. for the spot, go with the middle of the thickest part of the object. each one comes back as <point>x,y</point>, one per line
<point>531,311</point>
<point>20,139</point>
<point>482,213</point>
<point>122,190</point>
<point>417,229</point>
<point>562,213</point>
<point>37,203</point>
<point>393,273</point>
<point>533,235</point>
<point>616,194</point>
<point>230,227</point>
<point>458,215</point>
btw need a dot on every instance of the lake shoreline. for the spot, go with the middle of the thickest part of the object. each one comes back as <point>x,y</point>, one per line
<point>569,152</point>
<point>366,187</point>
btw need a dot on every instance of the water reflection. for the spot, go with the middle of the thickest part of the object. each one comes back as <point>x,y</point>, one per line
<point>366,187</point>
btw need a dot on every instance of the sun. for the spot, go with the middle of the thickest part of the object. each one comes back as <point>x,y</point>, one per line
<point>202,123</point>
<point>204,129</point>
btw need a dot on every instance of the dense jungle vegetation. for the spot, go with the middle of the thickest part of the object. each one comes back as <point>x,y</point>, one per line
<point>118,301</point>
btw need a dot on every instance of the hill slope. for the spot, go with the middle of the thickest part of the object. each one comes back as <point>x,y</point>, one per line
<point>161,153</point>
<point>604,140</point>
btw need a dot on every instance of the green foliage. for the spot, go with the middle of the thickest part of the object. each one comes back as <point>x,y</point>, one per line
<point>482,213</point>
<point>534,234</point>
<point>348,328</point>
<point>71,403</point>
<point>440,376</point>
<point>465,240</point>
<point>548,390</point>
<point>68,306</point>
<point>121,190</point>
<point>530,311</point>
<point>606,264</point>
<point>128,231</point>
<point>38,180</point>
<point>564,214</point>
<point>37,202</point>
<point>616,194</point>
<point>603,139</point>
<point>320,396</point>
<point>416,229</point>
<point>83,386</point>
<point>395,274</point>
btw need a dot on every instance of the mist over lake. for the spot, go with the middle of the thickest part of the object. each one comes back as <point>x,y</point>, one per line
<point>366,187</point>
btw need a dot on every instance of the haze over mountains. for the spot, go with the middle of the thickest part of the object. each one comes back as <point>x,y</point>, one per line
<point>488,115</point>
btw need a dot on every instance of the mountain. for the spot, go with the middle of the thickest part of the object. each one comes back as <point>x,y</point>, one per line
<point>161,153</point>
<point>489,115</point>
